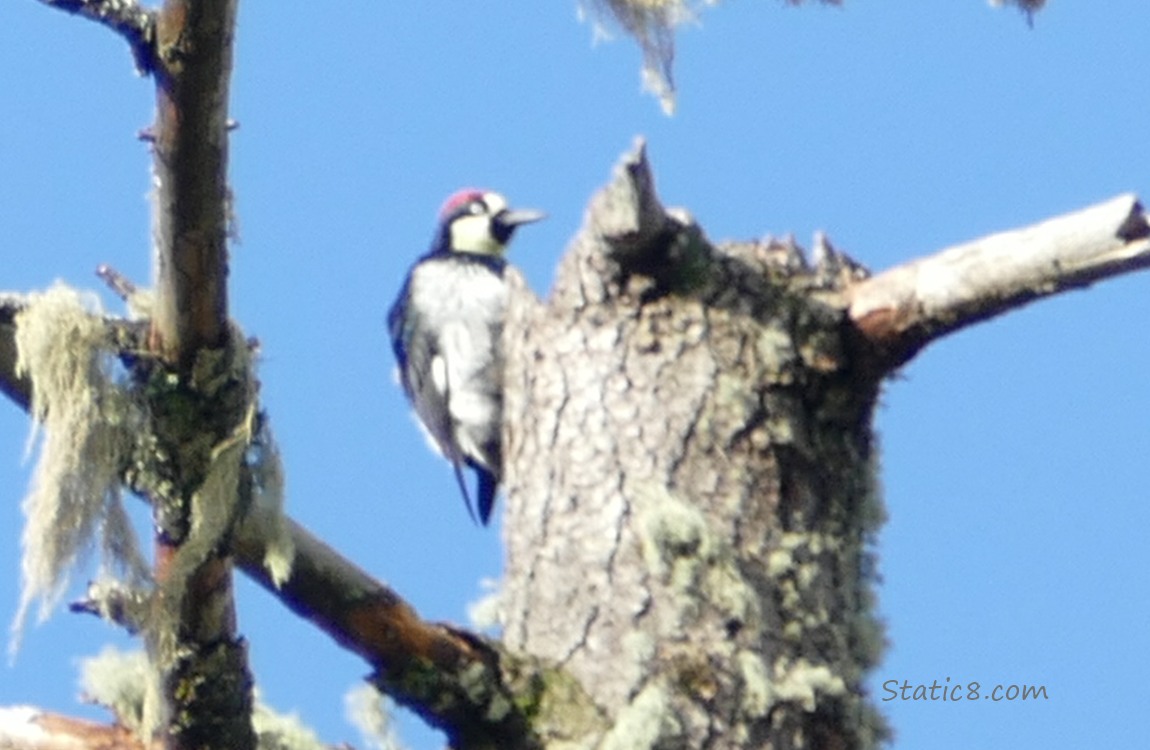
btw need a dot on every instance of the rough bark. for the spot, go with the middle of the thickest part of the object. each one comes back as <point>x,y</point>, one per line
<point>691,494</point>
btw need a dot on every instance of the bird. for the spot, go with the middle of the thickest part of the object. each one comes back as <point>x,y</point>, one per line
<point>446,325</point>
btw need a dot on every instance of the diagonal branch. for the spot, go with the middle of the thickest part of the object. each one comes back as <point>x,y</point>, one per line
<point>902,309</point>
<point>127,18</point>
<point>479,695</point>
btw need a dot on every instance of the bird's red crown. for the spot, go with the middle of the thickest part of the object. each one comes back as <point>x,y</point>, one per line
<point>460,198</point>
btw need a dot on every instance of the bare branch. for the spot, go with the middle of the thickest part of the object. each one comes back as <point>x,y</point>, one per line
<point>124,287</point>
<point>126,17</point>
<point>194,50</point>
<point>901,310</point>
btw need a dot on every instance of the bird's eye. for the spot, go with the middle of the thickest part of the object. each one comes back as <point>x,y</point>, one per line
<point>477,207</point>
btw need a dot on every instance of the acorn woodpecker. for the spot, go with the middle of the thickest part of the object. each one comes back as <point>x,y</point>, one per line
<point>445,329</point>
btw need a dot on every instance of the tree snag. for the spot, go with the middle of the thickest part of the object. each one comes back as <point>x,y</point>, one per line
<point>691,460</point>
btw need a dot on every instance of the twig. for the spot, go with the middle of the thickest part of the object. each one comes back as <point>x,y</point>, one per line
<point>116,281</point>
<point>126,17</point>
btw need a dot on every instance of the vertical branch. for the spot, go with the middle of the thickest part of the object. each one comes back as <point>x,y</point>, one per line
<point>202,414</point>
<point>194,47</point>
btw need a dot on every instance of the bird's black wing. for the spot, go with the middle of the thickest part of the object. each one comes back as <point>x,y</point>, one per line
<point>424,379</point>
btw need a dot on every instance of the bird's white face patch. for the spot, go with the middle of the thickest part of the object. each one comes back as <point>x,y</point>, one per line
<point>495,203</point>
<point>471,233</point>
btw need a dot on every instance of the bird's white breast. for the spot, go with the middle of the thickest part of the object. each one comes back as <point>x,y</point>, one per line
<point>464,303</point>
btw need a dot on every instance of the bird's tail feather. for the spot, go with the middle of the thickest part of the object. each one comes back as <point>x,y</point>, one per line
<point>487,485</point>
<point>458,466</point>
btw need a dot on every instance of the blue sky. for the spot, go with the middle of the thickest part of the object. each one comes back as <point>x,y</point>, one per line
<point>1014,453</point>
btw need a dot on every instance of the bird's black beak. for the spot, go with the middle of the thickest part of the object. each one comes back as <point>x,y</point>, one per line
<point>505,222</point>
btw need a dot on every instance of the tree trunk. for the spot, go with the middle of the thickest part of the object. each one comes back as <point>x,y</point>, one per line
<point>691,485</point>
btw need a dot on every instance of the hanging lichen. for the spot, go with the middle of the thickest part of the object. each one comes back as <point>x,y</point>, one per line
<point>84,424</point>
<point>652,24</point>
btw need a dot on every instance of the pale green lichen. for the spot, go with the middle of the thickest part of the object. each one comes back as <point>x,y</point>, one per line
<point>214,511</point>
<point>652,24</point>
<point>124,683</point>
<point>794,564</point>
<point>679,546</point>
<point>85,425</point>
<point>756,684</point>
<point>639,646</point>
<point>802,682</point>
<point>368,711</point>
<point>222,377</point>
<point>554,703</point>
<point>644,723</point>
<point>780,561</point>
<point>675,538</point>
<point>268,496</point>
<point>486,612</point>
<point>277,731</point>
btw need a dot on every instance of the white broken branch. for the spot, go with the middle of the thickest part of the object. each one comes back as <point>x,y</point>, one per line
<point>902,309</point>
